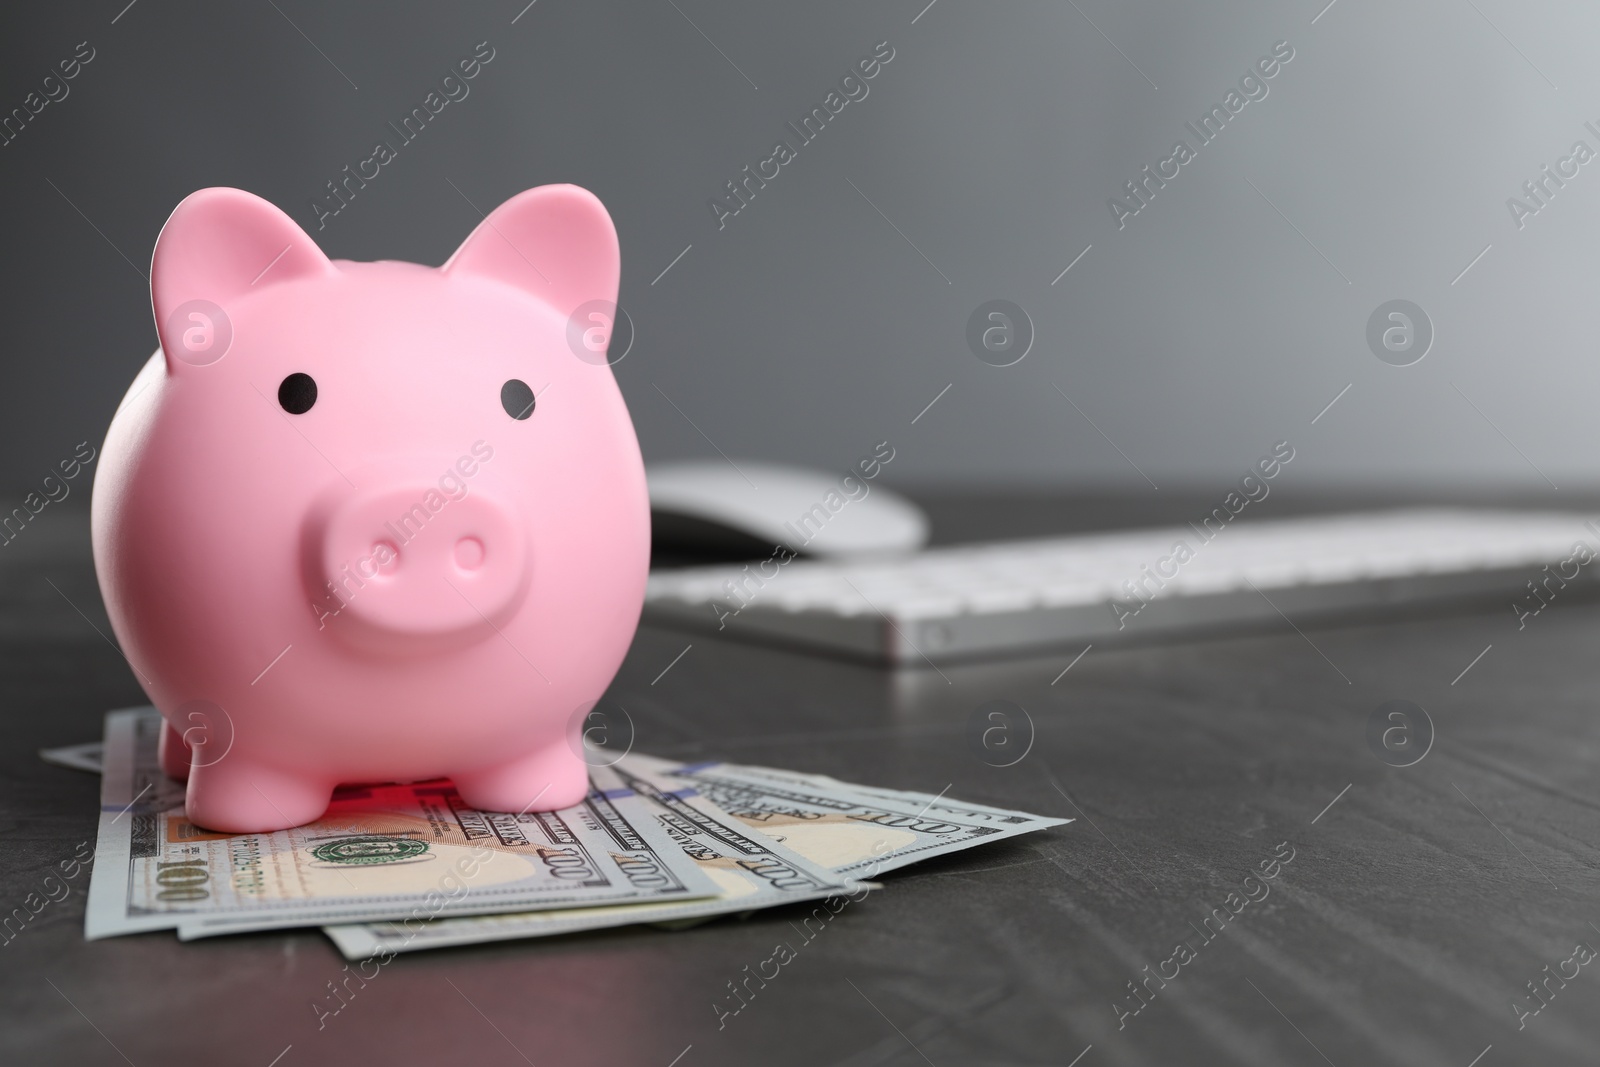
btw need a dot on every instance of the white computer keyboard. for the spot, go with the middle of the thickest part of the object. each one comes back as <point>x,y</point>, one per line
<point>999,597</point>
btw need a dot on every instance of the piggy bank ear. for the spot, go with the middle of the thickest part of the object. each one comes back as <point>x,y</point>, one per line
<point>219,246</point>
<point>556,242</point>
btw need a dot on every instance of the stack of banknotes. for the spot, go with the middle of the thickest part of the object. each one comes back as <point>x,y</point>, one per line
<point>398,868</point>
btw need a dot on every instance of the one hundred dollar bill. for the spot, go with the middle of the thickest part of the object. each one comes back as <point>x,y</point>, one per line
<point>405,853</point>
<point>82,757</point>
<point>854,830</point>
<point>751,870</point>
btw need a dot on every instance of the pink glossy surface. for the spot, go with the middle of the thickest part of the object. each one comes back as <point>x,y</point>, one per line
<point>403,581</point>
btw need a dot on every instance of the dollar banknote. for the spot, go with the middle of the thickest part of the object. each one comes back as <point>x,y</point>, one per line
<point>84,757</point>
<point>816,821</point>
<point>751,869</point>
<point>853,830</point>
<point>926,802</point>
<point>406,853</point>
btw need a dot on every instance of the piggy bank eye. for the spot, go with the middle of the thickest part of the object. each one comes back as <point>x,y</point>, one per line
<point>516,398</point>
<point>297,393</point>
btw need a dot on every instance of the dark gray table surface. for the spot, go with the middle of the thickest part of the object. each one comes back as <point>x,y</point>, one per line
<point>1415,910</point>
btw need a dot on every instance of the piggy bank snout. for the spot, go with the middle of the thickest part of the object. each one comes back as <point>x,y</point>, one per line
<point>409,561</point>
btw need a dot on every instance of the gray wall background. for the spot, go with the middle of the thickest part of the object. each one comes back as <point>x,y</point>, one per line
<point>808,328</point>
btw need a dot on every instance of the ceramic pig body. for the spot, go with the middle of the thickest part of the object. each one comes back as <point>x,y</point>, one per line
<point>362,522</point>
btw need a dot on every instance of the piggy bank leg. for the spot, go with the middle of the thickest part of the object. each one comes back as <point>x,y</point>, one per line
<point>174,753</point>
<point>546,780</point>
<point>236,796</point>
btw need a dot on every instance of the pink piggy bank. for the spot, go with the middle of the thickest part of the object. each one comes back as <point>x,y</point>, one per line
<point>362,522</point>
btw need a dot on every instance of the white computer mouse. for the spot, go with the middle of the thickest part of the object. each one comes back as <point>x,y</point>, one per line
<point>714,506</point>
